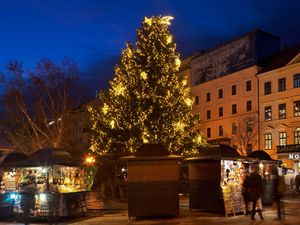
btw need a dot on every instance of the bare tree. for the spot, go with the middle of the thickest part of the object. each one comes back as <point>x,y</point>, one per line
<point>37,104</point>
<point>245,134</point>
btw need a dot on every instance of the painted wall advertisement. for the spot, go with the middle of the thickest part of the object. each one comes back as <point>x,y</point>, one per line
<point>224,60</point>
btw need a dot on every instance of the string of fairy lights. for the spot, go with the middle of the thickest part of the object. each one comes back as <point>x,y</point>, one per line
<point>147,102</point>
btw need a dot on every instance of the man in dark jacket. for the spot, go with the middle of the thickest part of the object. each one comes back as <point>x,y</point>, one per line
<point>245,193</point>
<point>255,191</point>
<point>28,188</point>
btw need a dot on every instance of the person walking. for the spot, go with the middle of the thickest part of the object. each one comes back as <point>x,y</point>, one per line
<point>278,191</point>
<point>297,183</point>
<point>245,193</point>
<point>28,189</point>
<point>255,192</point>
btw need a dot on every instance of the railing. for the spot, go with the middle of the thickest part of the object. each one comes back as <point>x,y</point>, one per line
<point>288,148</point>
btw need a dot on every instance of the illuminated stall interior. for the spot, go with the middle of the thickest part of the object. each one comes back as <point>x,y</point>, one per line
<point>60,179</point>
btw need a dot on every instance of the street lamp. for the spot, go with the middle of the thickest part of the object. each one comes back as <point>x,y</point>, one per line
<point>90,160</point>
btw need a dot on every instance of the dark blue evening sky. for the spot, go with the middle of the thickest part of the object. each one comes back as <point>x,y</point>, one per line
<point>93,32</point>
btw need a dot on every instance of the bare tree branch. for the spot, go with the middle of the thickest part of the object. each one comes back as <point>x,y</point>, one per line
<point>37,104</point>
<point>245,135</point>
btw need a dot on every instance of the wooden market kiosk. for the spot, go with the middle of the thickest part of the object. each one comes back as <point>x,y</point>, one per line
<point>214,180</point>
<point>153,179</point>
<point>61,183</point>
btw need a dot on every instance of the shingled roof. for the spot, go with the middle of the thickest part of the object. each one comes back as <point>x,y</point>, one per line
<point>281,59</point>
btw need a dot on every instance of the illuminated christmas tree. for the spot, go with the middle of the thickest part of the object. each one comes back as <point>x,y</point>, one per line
<point>147,102</point>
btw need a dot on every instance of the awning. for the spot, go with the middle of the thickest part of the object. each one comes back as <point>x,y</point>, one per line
<point>216,152</point>
<point>259,154</point>
<point>12,157</point>
<point>48,157</point>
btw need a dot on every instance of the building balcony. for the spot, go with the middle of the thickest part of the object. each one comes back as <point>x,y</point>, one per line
<point>288,148</point>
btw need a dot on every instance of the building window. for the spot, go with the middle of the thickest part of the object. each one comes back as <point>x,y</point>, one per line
<point>220,130</point>
<point>296,80</point>
<point>296,108</point>
<point>208,114</point>
<point>220,93</point>
<point>220,111</point>
<point>233,109</point>
<point>249,147</point>
<point>297,136</point>
<point>281,84</point>
<point>268,113</point>
<point>248,85</point>
<point>249,126</point>
<point>234,128</point>
<point>249,106</point>
<point>268,88</point>
<point>282,138</point>
<point>268,141</point>
<point>208,132</point>
<point>233,90</point>
<point>281,111</point>
<point>208,97</point>
<point>197,100</point>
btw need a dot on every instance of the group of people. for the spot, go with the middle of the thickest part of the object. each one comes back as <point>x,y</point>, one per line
<point>253,190</point>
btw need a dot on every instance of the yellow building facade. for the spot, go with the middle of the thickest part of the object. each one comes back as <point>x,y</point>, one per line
<point>279,109</point>
<point>225,105</point>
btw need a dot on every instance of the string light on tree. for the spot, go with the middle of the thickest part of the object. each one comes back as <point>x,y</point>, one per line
<point>144,75</point>
<point>169,39</point>
<point>105,108</point>
<point>148,21</point>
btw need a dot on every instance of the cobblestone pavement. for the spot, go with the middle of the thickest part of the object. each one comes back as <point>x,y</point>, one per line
<point>292,217</point>
<point>120,217</point>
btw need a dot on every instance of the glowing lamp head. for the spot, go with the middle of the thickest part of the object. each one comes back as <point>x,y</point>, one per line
<point>90,160</point>
<point>261,166</point>
<point>43,197</point>
<point>13,196</point>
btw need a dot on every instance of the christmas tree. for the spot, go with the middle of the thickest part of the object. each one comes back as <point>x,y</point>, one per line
<point>147,102</point>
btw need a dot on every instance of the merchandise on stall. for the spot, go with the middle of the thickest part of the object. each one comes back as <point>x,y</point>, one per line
<point>231,180</point>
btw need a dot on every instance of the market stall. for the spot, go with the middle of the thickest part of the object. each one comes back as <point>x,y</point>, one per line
<point>60,183</point>
<point>215,178</point>
<point>8,182</point>
<point>153,176</point>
